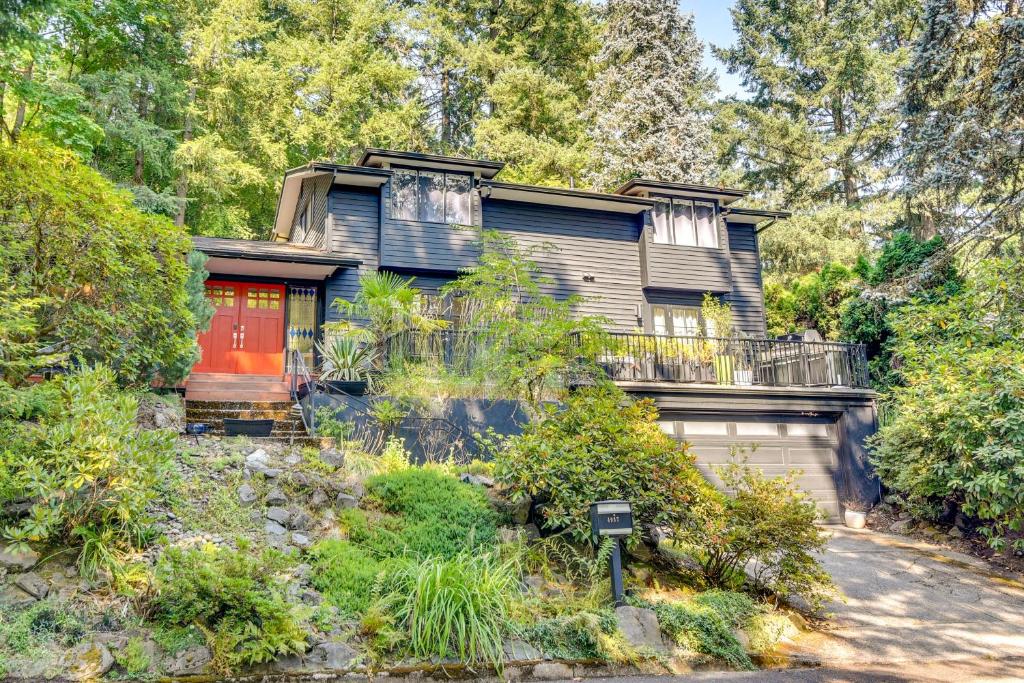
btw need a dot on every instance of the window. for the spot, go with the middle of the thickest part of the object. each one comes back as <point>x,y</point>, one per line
<point>431,196</point>
<point>678,321</point>
<point>685,222</point>
<point>757,429</point>
<point>706,428</point>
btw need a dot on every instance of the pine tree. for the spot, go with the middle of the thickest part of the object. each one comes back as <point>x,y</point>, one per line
<point>650,100</point>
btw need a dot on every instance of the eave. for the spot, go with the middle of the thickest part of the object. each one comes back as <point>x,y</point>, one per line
<point>557,196</point>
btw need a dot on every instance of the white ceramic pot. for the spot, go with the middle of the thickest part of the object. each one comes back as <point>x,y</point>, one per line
<point>854,518</point>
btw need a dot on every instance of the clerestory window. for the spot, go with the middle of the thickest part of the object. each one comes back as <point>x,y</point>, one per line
<point>431,196</point>
<point>685,222</point>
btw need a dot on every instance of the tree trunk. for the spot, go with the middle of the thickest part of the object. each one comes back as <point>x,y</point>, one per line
<point>138,176</point>
<point>446,119</point>
<point>186,135</point>
<point>19,116</point>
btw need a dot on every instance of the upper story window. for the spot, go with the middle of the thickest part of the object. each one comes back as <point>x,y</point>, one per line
<point>685,222</point>
<point>431,196</point>
<point>678,321</point>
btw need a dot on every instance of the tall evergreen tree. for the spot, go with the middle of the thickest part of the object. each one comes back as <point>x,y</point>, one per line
<point>650,99</point>
<point>820,131</point>
<point>965,120</point>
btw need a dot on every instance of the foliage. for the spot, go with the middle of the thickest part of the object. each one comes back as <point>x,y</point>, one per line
<point>430,514</point>
<point>345,359</point>
<point>328,424</point>
<point>705,625</point>
<point>522,339</point>
<point>133,658</point>
<point>814,301</point>
<point>601,445</point>
<point>717,316</point>
<point>456,606</point>
<point>573,637</point>
<point>766,526</point>
<point>101,280</point>
<point>345,574</point>
<point>650,99</point>
<point>88,471</point>
<point>26,631</point>
<point>237,598</point>
<point>956,433</point>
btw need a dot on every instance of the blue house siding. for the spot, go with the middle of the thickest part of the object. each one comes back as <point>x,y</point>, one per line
<point>673,266</point>
<point>747,294</point>
<point>353,224</point>
<point>598,243</point>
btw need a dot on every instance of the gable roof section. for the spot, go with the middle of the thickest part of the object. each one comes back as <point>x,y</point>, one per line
<point>724,195</point>
<point>376,158</point>
<point>557,196</point>
<point>291,188</point>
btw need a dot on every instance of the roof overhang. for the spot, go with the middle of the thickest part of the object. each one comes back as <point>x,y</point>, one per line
<point>642,186</point>
<point>556,196</point>
<point>380,157</point>
<point>754,216</point>
<point>257,258</point>
<point>291,188</point>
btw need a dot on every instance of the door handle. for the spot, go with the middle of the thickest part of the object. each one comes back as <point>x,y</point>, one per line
<point>234,340</point>
<point>241,338</point>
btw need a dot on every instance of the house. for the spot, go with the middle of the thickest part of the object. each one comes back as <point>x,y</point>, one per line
<point>643,256</point>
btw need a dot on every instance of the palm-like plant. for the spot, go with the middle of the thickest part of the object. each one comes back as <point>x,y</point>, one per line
<point>345,359</point>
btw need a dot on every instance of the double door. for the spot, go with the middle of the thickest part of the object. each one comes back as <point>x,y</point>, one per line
<point>246,335</point>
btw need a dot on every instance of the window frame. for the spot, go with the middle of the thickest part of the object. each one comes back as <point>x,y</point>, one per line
<point>681,235</point>
<point>669,316</point>
<point>418,213</point>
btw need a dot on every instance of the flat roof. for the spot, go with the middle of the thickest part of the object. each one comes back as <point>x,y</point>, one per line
<point>725,195</point>
<point>741,214</point>
<point>374,157</point>
<point>264,250</point>
<point>560,196</point>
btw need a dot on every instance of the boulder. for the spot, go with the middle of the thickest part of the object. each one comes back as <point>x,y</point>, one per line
<point>477,480</point>
<point>640,628</point>
<point>279,515</point>
<point>88,661</point>
<point>246,495</point>
<point>301,540</point>
<point>346,501</point>
<point>15,598</point>
<point>318,498</point>
<point>333,656</point>
<point>32,584</point>
<point>300,520</point>
<point>531,531</point>
<point>190,662</point>
<point>274,529</point>
<point>901,526</point>
<point>333,457</point>
<point>552,671</point>
<point>17,560</point>
<point>955,533</point>
<point>276,497</point>
<point>516,510</point>
<point>520,651</point>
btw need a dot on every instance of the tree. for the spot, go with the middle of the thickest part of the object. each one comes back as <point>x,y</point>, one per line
<point>964,103</point>
<point>650,101</point>
<point>103,281</point>
<point>819,133</point>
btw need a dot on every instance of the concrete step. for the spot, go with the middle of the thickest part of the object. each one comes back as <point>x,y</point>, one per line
<point>197,413</point>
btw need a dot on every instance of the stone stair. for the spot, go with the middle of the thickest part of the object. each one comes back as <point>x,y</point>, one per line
<point>288,426</point>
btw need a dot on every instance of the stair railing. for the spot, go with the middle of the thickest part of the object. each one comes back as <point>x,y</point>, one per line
<point>299,371</point>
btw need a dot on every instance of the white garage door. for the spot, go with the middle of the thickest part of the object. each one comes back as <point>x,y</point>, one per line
<point>774,443</point>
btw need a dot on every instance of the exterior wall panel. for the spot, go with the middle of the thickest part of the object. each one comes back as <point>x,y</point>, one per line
<point>747,294</point>
<point>353,222</point>
<point>672,266</point>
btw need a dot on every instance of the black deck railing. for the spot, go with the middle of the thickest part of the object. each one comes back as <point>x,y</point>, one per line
<point>634,357</point>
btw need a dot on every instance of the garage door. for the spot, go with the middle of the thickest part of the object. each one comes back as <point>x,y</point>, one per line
<point>774,443</point>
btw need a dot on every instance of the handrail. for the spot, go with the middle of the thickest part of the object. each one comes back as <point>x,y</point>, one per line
<point>298,368</point>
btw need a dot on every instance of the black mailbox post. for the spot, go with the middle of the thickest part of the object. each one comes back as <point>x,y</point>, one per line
<point>614,519</point>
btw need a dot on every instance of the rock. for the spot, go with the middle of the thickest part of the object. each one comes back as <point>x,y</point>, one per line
<point>346,501</point>
<point>798,620</point>
<point>190,662</point>
<point>300,520</point>
<point>520,650</point>
<point>279,515</point>
<point>333,656</point>
<point>318,498</point>
<point>88,661</point>
<point>743,639</point>
<point>533,584</point>
<point>901,526</point>
<point>509,535</point>
<point>905,515</point>
<point>516,510</point>
<point>641,573</point>
<point>552,671</point>
<point>354,487</point>
<point>477,480</point>
<point>271,473</point>
<point>258,459</point>
<point>333,457</point>
<point>15,598</point>
<point>276,497</point>
<point>640,628</point>
<point>641,551</point>
<point>531,531</point>
<point>20,561</point>
<point>32,584</point>
<point>301,540</point>
<point>246,495</point>
<point>311,597</point>
<point>274,529</point>
<point>292,459</point>
<point>955,533</point>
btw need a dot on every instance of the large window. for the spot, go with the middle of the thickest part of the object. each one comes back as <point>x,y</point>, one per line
<point>677,321</point>
<point>431,196</point>
<point>685,222</point>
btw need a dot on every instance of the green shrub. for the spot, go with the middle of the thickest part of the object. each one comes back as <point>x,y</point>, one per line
<point>955,437</point>
<point>769,524</point>
<point>576,636</point>
<point>345,573</point>
<point>434,514</point>
<point>133,658</point>
<point>706,624</point>
<point>24,633</point>
<point>237,599</point>
<point>90,471</point>
<point>457,606</point>
<point>602,445</point>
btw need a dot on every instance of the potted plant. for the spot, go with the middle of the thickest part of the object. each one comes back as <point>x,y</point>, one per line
<point>855,514</point>
<point>345,365</point>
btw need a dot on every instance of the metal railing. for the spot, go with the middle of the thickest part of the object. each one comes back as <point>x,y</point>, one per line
<point>635,357</point>
<point>301,377</point>
<point>733,361</point>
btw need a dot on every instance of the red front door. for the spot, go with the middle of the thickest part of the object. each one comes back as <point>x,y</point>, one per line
<point>246,335</point>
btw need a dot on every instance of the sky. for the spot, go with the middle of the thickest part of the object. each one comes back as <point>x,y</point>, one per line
<point>714,26</point>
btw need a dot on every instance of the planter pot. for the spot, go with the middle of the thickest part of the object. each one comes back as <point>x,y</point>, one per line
<point>855,519</point>
<point>234,427</point>
<point>340,386</point>
<point>743,377</point>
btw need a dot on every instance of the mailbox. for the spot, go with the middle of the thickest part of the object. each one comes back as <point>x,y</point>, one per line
<point>611,518</point>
